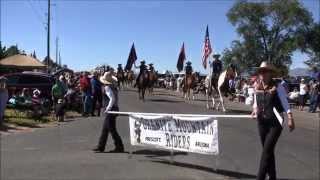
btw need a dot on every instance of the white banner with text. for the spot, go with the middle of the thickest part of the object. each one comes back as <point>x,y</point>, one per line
<point>189,134</point>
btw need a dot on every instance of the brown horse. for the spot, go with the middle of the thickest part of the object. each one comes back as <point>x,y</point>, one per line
<point>129,78</point>
<point>188,84</point>
<point>120,77</point>
<point>152,80</point>
<point>143,83</point>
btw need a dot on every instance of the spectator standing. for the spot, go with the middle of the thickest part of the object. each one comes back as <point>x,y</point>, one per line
<point>314,96</point>
<point>303,92</point>
<point>85,87</point>
<point>60,110</point>
<point>3,98</point>
<point>58,91</point>
<point>96,86</point>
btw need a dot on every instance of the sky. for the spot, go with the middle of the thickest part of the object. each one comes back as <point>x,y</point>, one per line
<point>93,32</point>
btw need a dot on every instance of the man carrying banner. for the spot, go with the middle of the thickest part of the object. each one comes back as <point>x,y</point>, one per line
<point>111,96</point>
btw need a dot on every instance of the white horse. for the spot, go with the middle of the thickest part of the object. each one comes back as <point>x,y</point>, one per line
<point>212,91</point>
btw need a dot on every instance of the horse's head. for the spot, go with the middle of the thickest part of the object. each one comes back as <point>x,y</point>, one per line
<point>231,72</point>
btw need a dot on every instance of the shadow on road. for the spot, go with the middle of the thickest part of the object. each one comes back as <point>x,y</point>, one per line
<point>223,172</point>
<point>228,173</point>
<point>165,100</point>
<point>238,111</point>
<point>157,153</point>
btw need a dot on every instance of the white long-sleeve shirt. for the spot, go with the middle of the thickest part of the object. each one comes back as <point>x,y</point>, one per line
<point>282,96</point>
<point>113,99</point>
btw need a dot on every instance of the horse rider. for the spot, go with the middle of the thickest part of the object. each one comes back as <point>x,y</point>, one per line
<point>188,68</point>
<point>120,69</point>
<point>151,68</point>
<point>142,68</point>
<point>216,66</point>
<point>188,71</point>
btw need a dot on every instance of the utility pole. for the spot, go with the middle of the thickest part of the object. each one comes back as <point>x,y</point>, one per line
<point>59,59</point>
<point>48,38</point>
<point>57,50</point>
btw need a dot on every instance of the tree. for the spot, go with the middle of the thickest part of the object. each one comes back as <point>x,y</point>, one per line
<point>268,30</point>
<point>309,42</point>
<point>34,55</point>
<point>2,51</point>
<point>12,50</point>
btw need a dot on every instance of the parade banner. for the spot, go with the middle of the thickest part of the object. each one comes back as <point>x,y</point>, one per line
<point>189,134</point>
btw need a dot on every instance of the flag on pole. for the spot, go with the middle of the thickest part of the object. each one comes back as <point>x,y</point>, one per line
<point>132,58</point>
<point>182,57</point>
<point>206,49</point>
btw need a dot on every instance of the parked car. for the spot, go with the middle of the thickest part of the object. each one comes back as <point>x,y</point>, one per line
<point>31,80</point>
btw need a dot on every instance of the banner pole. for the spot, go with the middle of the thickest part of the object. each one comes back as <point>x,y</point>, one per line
<point>171,156</point>
<point>184,115</point>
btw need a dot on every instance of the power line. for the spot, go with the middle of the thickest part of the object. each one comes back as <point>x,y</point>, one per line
<point>36,13</point>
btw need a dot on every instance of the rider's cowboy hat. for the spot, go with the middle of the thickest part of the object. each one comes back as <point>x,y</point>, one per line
<point>108,78</point>
<point>265,67</point>
<point>216,56</point>
<point>188,62</point>
<point>143,62</point>
<point>150,64</point>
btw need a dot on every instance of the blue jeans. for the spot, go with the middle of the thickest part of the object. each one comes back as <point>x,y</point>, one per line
<point>314,101</point>
<point>87,103</point>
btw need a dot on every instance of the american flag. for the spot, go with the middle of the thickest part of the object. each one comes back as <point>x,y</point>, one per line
<point>206,49</point>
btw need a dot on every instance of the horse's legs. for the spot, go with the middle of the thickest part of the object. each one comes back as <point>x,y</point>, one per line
<point>139,92</point>
<point>207,98</point>
<point>221,100</point>
<point>143,93</point>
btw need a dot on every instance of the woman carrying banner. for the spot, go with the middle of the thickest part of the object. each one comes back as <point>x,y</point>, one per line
<point>111,96</point>
<point>269,103</point>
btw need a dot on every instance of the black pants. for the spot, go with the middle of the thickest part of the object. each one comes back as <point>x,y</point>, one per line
<point>269,130</point>
<point>97,98</point>
<point>109,125</point>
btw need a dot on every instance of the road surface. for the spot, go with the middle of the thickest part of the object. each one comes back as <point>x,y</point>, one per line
<point>64,152</point>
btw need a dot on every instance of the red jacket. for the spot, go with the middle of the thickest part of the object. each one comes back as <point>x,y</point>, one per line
<point>84,83</point>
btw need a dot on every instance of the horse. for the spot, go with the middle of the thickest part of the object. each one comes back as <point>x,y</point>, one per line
<point>219,86</point>
<point>152,80</point>
<point>129,78</point>
<point>188,84</point>
<point>121,79</point>
<point>143,83</point>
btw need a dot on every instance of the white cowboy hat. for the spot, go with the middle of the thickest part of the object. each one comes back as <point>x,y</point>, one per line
<point>265,67</point>
<point>108,78</point>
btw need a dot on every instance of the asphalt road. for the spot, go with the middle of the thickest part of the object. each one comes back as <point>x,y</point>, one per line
<point>64,152</point>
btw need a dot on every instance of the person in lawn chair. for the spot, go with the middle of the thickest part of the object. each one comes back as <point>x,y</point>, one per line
<point>142,67</point>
